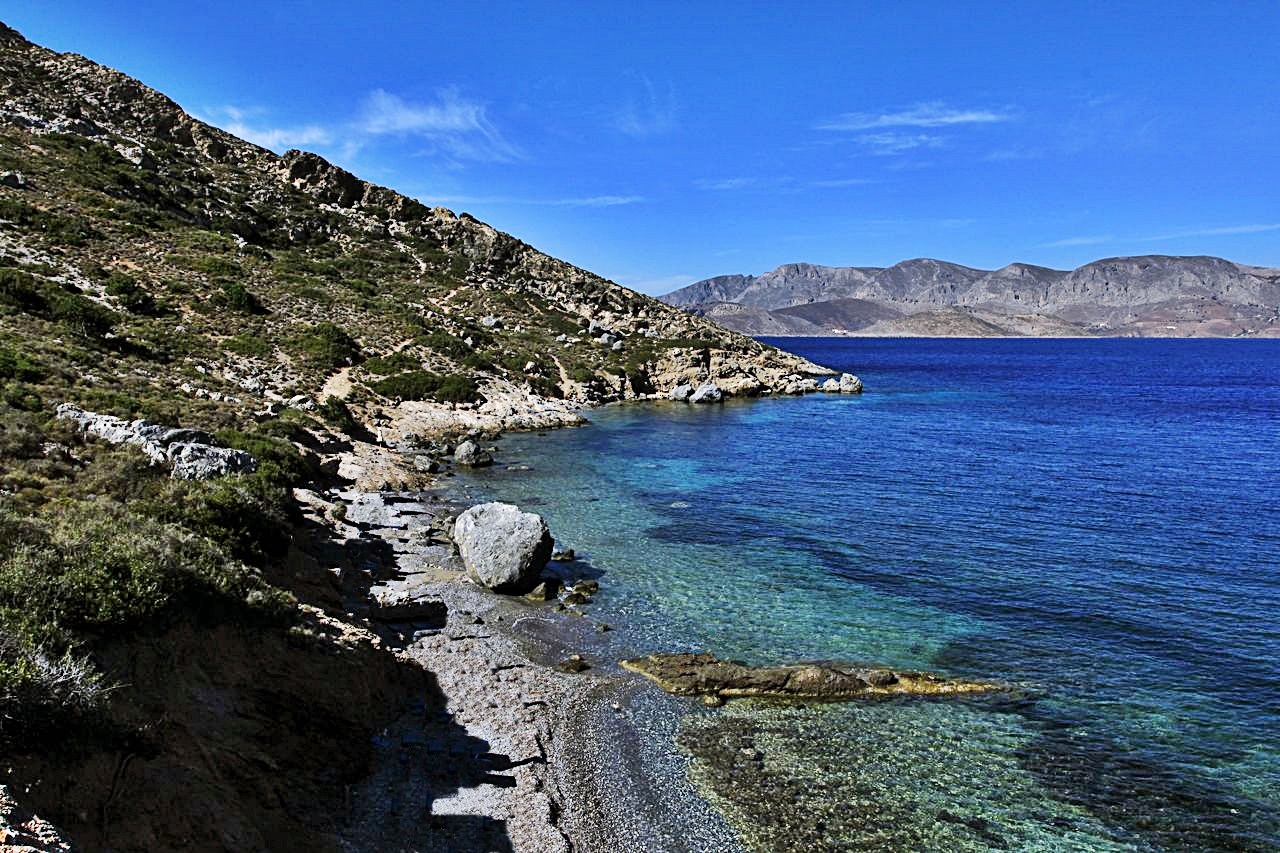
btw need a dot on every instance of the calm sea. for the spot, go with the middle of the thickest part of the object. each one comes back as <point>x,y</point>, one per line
<point>1095,522</point>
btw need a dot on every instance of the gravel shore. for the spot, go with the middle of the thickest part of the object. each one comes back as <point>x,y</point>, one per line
<point>511,750</point>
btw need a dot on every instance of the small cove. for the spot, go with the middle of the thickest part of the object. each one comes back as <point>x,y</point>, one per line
<point>1093,521</point>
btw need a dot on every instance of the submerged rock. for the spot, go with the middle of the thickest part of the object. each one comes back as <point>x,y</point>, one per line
<point>708,676</point>
<point>502,547</point>
<point>707,393</point>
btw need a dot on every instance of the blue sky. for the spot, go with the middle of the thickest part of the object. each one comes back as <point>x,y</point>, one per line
<point>657,143</point>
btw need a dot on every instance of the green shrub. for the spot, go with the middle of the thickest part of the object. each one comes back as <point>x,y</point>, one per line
<point>415,385</point>
<point>248,344</point>
<point>457,388</point>
<point>237,297</point>
<point>23,291</point>
<point>19,366</point>
<point>82,316</point>
<point>247,517</point>
<point>395,362</point>
<point>131,295</point>
<point>280,463</point>
<point>338,415</point>
<point>95,566</point>
<point>325,345</point>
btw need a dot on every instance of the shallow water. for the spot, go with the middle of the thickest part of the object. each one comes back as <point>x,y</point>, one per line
<point>1095,522</point>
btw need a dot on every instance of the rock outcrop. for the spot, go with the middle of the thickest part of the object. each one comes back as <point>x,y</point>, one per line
<point>503,548</point>
<point>190,453</point>
<point>708,392</point>
<point>715,679</point>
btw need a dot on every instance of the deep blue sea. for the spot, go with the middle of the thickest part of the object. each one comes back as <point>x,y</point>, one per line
<point>1095,522</point>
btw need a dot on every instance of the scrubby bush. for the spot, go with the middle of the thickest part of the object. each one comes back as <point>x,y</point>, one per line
<point>131,295</point>
<point>95,566</point>
<point>17,365</point>
<point>336,414</point>
<point>248,344</point>
<point>325,345</point>
<point>415,385</point>
<point>457,388</point>
<point>237,297</point>
<point>392,363</point>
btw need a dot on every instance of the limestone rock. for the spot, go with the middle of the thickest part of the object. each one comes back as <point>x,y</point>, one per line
<point>189,453</point>
<point>707,393</point>
<point>681,393</point>
<point>470,454</point>
<point>405,606</point>
<point>850,384</point>
<point>502,547</point>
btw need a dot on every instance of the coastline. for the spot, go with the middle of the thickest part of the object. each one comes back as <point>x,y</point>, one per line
<point>558,760</point>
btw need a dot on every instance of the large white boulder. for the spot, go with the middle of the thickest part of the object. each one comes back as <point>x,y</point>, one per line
<point>502,547</point>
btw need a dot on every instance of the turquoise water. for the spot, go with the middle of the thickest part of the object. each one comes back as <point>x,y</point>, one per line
<point>1095,522</point>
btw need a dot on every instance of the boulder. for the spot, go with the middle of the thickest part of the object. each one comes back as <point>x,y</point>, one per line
<point>470,455</point>
<point>831,386</point>
<point>850,384</point>
<point>707,393</point>
<point>681,393</point>
<point>407,606</point>
<point>503,548</point>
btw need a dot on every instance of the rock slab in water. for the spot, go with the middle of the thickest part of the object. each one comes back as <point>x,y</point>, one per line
<point>189,453</point>
<point>502,547</point>
<point>709,676</point>
<point>707,393</point>
<point>470,454</point>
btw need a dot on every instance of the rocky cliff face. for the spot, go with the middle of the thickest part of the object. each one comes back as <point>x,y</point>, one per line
<point>1147,295</point>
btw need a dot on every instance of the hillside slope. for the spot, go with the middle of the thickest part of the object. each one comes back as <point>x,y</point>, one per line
<point>198,664</point>
<point>1147,295</point>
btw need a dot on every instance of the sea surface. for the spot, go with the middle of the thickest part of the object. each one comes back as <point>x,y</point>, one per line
<point>1094,522</point>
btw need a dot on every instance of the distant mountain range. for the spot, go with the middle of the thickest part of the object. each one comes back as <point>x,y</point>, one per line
<point>1147,295</point>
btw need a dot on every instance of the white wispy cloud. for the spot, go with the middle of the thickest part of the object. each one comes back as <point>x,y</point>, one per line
<point>237,122</point>
<point>454,126</point>
<point>584,201</point>
<point>1224,231</point>
<point>599,201</point>
<point>1086,240</point>
<point>836,183</point>
<point>929,114</point>
<point>726,183</point>
<point>650,110</point>
<point>1216,231</point>
<point>889,144</point>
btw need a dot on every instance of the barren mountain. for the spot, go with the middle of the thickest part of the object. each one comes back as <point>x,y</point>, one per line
<point>1154,295</point>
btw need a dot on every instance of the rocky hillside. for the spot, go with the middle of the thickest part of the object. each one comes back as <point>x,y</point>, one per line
<point>235,274</point>
<point>1153,295</point>
<point>198,663</point>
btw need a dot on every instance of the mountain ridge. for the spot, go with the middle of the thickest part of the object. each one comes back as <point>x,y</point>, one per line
<point>1128,295</point>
